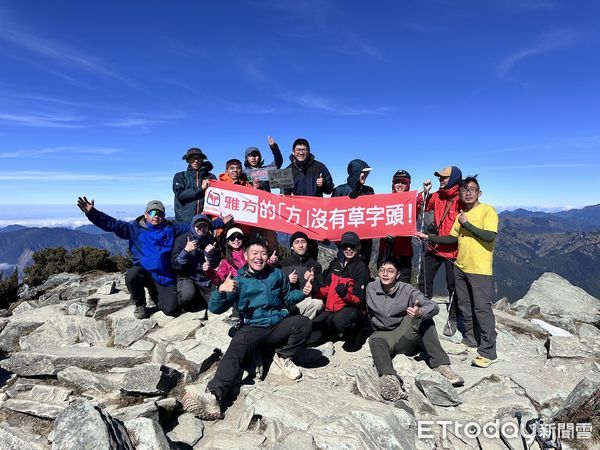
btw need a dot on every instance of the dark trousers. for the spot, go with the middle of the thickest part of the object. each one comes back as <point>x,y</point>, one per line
<point>474,298</point>
<point>137,278</point>
<point>192,295</point>
<point>410,335</point>
<point>430,267</point>
<point>405,263</point>
<point>287,337</point>
<point>328,324</point>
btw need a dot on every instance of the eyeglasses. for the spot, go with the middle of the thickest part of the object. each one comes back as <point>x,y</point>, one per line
<point>236,237</point>
<point>303,150</point>
<point>469,190</point>
<point>387,271</point>
<point>156,212</point>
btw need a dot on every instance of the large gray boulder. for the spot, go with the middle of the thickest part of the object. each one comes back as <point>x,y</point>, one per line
<point>582,403</point>
<point>12,438</point>
<point>560,303</point>
<point>84,380</point>
<point>178,329</point>
<point>52,360</point>
<point>41,401</point>
<point>62,331</point>
<point>438,390</point>
<point>150,379</point>
<point>129,330</point>
<point>83,426</point>
<point>189,430</point>
<point>146,434</point>
<point>334,421</point>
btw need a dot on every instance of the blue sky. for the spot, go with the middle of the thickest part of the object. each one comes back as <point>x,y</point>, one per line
<point>103,98</point>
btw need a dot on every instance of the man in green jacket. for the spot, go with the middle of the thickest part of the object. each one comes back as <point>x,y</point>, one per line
<point>261,295</point>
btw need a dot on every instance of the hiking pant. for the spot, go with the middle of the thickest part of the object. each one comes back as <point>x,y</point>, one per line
<point>328,324</point>
<point>474,298</point>
<point>411,334</point>
<point>137,278</point>
<point>405,263</point>
<point>430,267</point>
<point>310,307</point>
<point>193,295</point>
<point>287,337</point>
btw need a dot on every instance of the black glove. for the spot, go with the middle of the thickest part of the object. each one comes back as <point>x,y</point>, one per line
<point>354,194</point>
<point>342,290</point>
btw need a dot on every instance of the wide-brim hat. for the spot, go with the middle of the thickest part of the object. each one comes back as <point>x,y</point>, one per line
<point>194,151</point>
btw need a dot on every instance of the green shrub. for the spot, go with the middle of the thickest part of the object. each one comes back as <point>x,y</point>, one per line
<point>9,288</point>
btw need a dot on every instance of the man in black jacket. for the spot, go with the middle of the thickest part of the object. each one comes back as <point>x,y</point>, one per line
<point>311,177</point>
<point>358,171</point>
<point>193,253</point>
<point>302,269</point>
<point>189,186</point>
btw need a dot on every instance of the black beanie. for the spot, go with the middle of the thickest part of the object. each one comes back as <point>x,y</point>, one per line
<point>296,235</point>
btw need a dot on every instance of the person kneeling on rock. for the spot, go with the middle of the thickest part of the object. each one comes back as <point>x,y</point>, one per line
<point>402,320</point>
<point>262,295</point>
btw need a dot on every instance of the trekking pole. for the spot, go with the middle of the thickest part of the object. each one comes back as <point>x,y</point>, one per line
<point>422,252</point>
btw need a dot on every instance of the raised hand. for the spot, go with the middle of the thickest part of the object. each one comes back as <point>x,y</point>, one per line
<point>273,259</point>
<point>462,217</point>
<point>209,249</point>
<point>426,185</point>
<point>227,218</point>
<point>229,285</point>
<point>256,183</point>
<point>205,266</point>
<point>320,180</point>
<point>85,205</point>
<point>293,277</point>
<point>190,245</point>
<point>270,140</point>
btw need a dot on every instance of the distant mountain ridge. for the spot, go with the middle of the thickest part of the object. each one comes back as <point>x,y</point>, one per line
<point>529,243</point>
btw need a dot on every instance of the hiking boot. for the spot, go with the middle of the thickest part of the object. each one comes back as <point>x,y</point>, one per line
<point>482,361</point>
<point>391,388</point>
<point>205,406</point>
<point>288,367</point>
<point>141,312</point>
<point>450,328</point>
<point>446,371</point>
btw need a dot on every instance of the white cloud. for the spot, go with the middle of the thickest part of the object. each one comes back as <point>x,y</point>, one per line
<point>43,120</point>
<point>545,43</point>
<point>58,52</point>
<point>76,176</point>
<point>318,102</point>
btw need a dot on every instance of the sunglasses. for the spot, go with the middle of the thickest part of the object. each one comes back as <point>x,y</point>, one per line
<point>350,246</point>
<point>156,212</point>
<point>236,236</point>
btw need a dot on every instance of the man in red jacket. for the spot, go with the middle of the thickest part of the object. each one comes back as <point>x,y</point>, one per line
<point>344,295</point>
<point>446,206</point>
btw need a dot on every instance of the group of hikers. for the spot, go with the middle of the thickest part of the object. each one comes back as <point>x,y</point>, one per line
<point>282,305</point>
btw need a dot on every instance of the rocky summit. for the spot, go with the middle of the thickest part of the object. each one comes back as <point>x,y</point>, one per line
<point>78,371</point>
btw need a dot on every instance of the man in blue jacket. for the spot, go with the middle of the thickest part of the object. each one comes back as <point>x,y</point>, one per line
<point>260,294</point>
<point>151,239</point>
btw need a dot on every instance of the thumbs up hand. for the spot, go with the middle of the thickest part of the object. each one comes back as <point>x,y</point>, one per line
<point>414,311</point>
<point>309,275</point>
<point>190,245</point>
<point>229,285</point>
<point>307,289</point>
<point>320,180</point>
<point>293,277</point>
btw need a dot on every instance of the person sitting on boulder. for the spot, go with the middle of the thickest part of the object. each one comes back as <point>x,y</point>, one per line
<point>262,295</point>
<point>193,253</point>
<point>151,239</point>
<point>401,317</point>
<point>302,269</point>
<point>344,294</point>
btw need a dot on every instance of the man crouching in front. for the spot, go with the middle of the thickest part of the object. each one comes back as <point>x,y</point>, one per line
<point>262,295</point>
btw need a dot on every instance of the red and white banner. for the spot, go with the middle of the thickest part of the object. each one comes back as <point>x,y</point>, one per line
<point>369,216</point>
